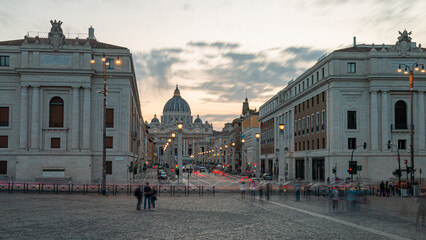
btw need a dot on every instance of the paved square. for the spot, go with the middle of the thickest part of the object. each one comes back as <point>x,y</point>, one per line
<point>226,216</point>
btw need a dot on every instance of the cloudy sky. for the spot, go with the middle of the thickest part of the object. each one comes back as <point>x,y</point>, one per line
<point>220,51</point>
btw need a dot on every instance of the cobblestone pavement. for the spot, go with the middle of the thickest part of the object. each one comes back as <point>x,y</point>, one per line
<point>225,216</point>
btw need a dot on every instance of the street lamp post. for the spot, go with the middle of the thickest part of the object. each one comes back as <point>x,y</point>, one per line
<point>233,157</point>
<point>106,61</point>
<point>180,126</point>
<point>258,167</point>
<point>409,70</point>
<point>281,161</point>
<point>243,162</point>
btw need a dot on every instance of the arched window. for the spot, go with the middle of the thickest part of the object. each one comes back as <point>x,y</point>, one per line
<point>56,112</point>
<point>401,115</point>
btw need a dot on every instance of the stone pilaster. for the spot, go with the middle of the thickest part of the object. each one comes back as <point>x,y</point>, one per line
<point>23,119</point>
<point>75,119</point>
<point>86,118</point>
<point>374,119</point>
<point>35,119</point>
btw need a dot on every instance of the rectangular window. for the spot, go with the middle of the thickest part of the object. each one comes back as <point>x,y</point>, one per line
<point>295,110</point>
<point>110,118</point>
<point>303,126</point>
<point>295,147</point>
<point>108,167</point>
<point>307,82</point>
<point>323,75</point>
<point>109,142</point>
<point>55,143</point>
<point>323,120</point>
<point>308,125</point>
<point>351,67</point>
<point>303,145</point>
<point>3,167</point>
<point>110,63</point>
<point>351,120</point>
<point>307,143</point>
<point>318,144</point>
<point>323,96</point>
<point>317,121</point>
<point>4,61</point>
<point>312,123</point>
<point>4,141</point>
<point>317,76</point>
<point>313,146</point>
<point>303,85</point>
<point>323,143</point>
<point>402,144</point>
<point>300,126</point>
<point>4,116</point>
<point>351,143</point>
<point>295,128</point>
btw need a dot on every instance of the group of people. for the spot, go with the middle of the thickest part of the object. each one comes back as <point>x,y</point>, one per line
<point>150,196</point>
<point>388,189</point>
<point>254,187</point>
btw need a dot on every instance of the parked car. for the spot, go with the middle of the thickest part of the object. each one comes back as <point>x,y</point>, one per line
<point>267,176</point>
<point>162,175</point>
<point>202,169</point>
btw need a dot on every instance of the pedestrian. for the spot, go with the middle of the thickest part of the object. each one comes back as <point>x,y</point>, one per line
<point>382,189</point>
<point>243,189</point>
<point>138,195</point>
<point>387,189</point>
<point>335,199</point>
<point>253,189</point>
<point>297,191</point>
<point>147,194</point>
<point>328,181</point>
<point>153,197</point>
<point>260,192</point>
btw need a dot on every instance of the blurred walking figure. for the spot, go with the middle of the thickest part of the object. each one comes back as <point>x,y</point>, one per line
<point>243,189</point>
<point>153,197</point>
<point>138,195</point>
<point>297,191</point>
<point>253,189</point>
<point>260,192</point>
<point>421,212</point>
<point>387,189</point>
<point>335,199</point>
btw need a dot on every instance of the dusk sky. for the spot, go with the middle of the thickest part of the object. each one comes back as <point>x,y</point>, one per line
<point>220,51</point>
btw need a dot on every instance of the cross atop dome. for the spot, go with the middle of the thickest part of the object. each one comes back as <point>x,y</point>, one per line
<point>177,92</point>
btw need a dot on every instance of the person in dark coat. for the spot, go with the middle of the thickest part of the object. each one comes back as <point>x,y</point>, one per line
<point>382,189</point>
<point>138,195</point>
<point>147,194</point>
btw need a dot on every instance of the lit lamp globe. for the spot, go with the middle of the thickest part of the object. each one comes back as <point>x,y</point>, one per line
<point>180,126</point>
<point>281,126</point>
<point>257,135</point>
<point>173,135</point>
<point>243,140</point>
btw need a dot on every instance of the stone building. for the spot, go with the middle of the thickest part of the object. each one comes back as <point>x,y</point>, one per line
<point>52,113</point>
<point>350,97</point>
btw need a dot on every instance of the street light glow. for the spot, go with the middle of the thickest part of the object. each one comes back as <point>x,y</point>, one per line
<point>257,135</point>
<point>281,126</point>
<point>180,126</point>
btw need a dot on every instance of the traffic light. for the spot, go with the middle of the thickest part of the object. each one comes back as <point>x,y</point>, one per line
<point>397,173</point>
<point>223,166</point>
<point>177,171</point>
<point>255,165</point>
<point>334,170</point>
<point>352,167</point>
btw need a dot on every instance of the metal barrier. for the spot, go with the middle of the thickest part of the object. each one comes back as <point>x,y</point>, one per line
<point>63,188</point>
<point>179,189</point>
<point>48,187</point>
<point>78,188</point>
<point>209,189</point>
<point>93,189</point>
<point>165,189</point>
<point>190,189</point>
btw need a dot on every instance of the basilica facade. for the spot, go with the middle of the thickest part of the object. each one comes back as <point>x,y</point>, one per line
<point>196,135</point>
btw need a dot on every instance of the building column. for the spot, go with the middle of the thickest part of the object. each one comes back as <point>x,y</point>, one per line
<point>308,167</point>
<point>374,119</point>
<point>35,118</point>
<point>86,118</point>
<point>420,121</point>
<point>385,121</point>
<point>75,118</point>
<point>23,119</point>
